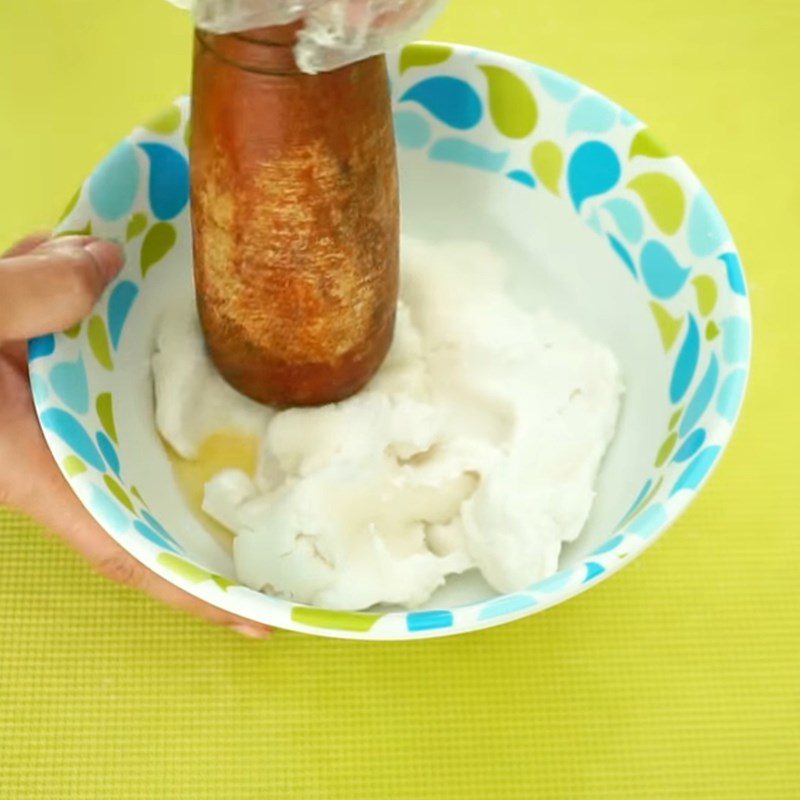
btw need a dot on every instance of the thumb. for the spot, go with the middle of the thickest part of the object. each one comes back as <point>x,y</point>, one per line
<point>54,285</point>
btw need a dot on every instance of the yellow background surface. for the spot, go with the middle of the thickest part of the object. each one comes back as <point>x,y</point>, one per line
<point>677,678</point>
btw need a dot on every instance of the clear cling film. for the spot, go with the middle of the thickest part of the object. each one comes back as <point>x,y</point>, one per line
<point>333,33</point>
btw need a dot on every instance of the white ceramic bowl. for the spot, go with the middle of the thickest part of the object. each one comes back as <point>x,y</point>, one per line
<point>598,222</point>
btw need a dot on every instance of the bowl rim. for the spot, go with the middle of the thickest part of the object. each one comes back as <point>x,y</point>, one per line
<point>677,503</point>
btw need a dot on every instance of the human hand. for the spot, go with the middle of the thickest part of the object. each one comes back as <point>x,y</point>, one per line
<point>47,285</point>
<point>334,32</point>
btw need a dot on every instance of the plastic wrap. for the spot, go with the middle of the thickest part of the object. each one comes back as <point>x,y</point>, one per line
<point>334,32</point>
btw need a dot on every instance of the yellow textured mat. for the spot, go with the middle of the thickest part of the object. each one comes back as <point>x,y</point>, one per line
<point>677,678</point>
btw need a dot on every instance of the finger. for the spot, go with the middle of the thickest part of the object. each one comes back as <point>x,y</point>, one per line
<point>361,14</point>
<point>73,240</point>
<point>55,285</point>
<point>27,244</point>
<point>405,15</point>
<point>120,567</point>
<point>63,512</point>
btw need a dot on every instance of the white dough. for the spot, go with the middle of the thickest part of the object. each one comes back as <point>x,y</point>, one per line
<point>192,400</point>
<point>477,444</point>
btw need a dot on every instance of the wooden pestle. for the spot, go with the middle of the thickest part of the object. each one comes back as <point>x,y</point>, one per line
<point>295,216</point>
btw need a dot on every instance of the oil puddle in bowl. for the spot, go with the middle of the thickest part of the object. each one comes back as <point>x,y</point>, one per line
<point>223,450</point>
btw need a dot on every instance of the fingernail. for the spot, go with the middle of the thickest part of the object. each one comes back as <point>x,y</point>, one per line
<point>110,257</point>
<point>72,240</point>
<point>251,631</point>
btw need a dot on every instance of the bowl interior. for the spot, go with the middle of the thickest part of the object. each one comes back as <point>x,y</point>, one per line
<point>596,220</point>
